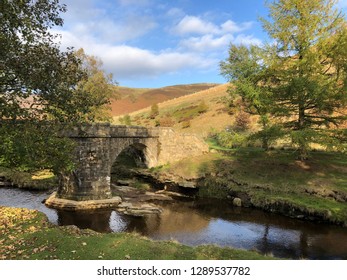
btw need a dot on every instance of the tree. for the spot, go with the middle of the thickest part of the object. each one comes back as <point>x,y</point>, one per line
<point>246,69</point>
<point>35,76</point>
<point>42,89</point>
<point>154,111</point>
<point>99,86</point>
<point>299,80</point>
<point>242,121</point>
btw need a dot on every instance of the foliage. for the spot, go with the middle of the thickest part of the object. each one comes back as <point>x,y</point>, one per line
<point>43,90</point>
<point>301,79</point>
<point>187,113</point>
<point>37,180</point>
<point>268,135</point>
<point>97,87</point>
<point>242,121</point>
<point>154,111</point>
<point>126,120</point>
<point>33,145</point>
<point>245,69</point>
<point>231,139</point>
<point>36,78</point>
<point>202,107</point>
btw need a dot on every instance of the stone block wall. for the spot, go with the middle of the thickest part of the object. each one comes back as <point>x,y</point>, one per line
<point>175,146</point>
<point>91,178</point>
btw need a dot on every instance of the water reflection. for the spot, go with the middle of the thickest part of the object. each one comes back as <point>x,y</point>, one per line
<point>202,222</point>
<point>96,220</point>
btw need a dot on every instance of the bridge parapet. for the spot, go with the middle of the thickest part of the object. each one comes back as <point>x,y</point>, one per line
<point>123,131</point>
<point>106,130</point>
<point>98,130</point>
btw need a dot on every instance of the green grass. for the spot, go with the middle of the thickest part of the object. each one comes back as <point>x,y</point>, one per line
<point>38,180</point>
<point>213,144</point>
<point>186,113</point>
<point>26,234</point>
<point>274,180</point>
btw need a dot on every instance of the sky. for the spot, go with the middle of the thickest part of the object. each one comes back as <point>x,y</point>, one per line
<point>155,43</point>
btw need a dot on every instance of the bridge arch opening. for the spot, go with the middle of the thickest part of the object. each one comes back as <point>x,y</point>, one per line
<point>129,159</point>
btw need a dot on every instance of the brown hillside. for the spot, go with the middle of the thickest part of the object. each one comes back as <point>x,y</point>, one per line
<point>136,99</point>
<point>216,118</point>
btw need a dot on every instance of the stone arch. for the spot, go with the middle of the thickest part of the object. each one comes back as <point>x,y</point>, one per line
<point>145,148</point>
<point>136,152</point>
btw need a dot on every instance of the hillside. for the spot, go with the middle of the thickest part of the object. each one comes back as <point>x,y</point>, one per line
<point>184,112</point>
<point>133,99</point>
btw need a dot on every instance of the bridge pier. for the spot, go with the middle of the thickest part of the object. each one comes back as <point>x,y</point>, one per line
<point>91,178</point>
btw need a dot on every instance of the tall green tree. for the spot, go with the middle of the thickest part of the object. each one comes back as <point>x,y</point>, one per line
<point>246,69</point>
<point>36,78</point>
<point>42,89</point>
<point>303,74</point>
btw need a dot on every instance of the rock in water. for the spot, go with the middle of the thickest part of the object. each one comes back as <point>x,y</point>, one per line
<point>237,202</point>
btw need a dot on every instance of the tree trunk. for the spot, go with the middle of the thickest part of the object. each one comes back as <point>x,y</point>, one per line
<point>265,143</point>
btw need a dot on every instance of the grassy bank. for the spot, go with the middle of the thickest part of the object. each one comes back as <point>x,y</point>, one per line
<point>38,180</point>
<point>274,181</point>
<point>26,234</point>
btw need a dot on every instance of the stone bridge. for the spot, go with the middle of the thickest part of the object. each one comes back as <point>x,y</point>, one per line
<point>99,145</point>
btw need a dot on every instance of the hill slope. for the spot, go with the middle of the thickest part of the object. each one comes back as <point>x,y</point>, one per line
<point>135,99</point>
<point>184,110</point>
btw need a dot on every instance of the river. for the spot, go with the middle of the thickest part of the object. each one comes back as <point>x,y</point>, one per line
<point>196,222</point>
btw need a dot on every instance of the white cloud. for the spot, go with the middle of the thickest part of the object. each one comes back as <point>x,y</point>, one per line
<point>231,27</point>
<point>206,42</point>
<point>195,25</point>
<point>213,37</point>
<point>243,39</point>
<point>105,23</point>
<point>127,62</point>
<point>115,32</point>
<point>210,43</point>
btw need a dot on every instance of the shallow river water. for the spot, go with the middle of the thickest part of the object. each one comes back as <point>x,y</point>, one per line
<point>204,222</point>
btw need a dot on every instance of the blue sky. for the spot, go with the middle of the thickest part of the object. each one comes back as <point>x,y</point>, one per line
<point>154,43</point>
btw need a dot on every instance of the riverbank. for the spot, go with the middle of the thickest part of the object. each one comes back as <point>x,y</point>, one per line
<point>26,234</point>
<point>39,180</point>
<point>273,181</point>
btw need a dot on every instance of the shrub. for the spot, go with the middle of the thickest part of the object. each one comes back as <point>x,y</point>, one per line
<point>125,120</point>
<point>154,111</point>
<point>231,139</point>
<point>268,135</point>
<point>202,108</point>
<point>242,121</point>
<point>186,124</point>
<point>167,121</point>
